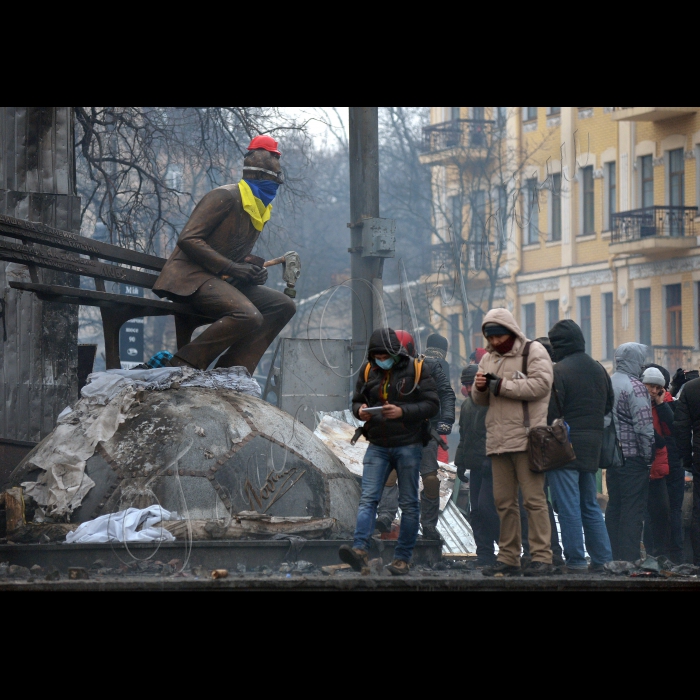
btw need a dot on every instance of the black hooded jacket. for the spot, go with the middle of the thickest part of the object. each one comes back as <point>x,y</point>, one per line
<point>585,393</point>
<point>686,427</point>
<point>417,403</point>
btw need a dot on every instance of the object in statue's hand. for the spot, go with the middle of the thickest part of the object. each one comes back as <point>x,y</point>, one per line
<point>261,275</point>
<point>243,273</point>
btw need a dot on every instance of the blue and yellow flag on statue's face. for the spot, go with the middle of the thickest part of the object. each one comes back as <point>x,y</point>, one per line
<point>254,206</point>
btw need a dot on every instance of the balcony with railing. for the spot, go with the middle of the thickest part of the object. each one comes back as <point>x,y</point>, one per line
<point>650,114</point>
<point>670,356</point>
<point>459,138</point>
<point>653,229</point>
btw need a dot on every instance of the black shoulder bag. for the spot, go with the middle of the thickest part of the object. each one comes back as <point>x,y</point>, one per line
<point>548,446</point>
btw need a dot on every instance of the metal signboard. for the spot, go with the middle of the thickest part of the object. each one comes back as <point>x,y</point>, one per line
<point>131,333</point>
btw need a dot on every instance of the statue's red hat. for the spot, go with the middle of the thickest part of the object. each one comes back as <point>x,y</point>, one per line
<point>266,142</point>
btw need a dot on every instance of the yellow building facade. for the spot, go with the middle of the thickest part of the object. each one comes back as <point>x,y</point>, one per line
<point>588,213</point>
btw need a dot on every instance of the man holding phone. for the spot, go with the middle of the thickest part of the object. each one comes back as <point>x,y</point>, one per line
<point>396,409</point>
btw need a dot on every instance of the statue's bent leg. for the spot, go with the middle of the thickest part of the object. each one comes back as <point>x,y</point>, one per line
<point>276,309</point>
<point>237,318</point>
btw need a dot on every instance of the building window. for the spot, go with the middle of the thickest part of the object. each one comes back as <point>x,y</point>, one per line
<point>531,211</point>
<point>588,200</point>
<point>612,192</point>
<point>676,181</point>
<point>584,320</point>
<point>477,237</point>
<point>609,340</point>
<point>552,313</point>
<point>502,216</point>
<point>455,113</point>
<point>455,361</point>
<point>477,336</point>
<point>647,181</point>
<point>644,315</point>
<point>501,117</point>
<point>529,321</point>
<point>173,177</point>
<point>554,110</point>
<point>456,215</point>
<point>556,207</point>
<point>529,114</point>
<point>478,113</point>
<point>674,316</point>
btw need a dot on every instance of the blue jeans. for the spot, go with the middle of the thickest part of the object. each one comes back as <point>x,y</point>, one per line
<point>575,495</point>
<point>378,462</point>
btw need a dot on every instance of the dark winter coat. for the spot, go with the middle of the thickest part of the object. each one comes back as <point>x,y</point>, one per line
<point>446,393</point>
<point>419,403</point>
<point>471,452</point>
<point>585,393</point>
<point>686,427</point>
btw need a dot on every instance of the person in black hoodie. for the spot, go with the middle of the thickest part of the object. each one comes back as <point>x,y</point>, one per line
<point>582,395</point>
<point>396,436</point>
<point>686,429</point>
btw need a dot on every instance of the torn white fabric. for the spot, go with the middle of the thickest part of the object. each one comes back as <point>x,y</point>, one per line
<point>236,378</point>
<point>102,386</point>
<point>130,525</point>
<point>105,403</point>
<point>63,454</point>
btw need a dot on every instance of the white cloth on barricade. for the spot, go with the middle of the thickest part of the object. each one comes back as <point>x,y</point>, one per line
<point>103,386</point>
<point>124,527</point>
<point>63,455</point>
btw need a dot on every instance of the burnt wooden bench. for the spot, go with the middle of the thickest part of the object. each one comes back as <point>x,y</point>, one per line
<point>42,246</point>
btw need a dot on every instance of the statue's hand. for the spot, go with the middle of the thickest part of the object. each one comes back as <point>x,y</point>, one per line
<point>262,275</point>
<point>244,273</point>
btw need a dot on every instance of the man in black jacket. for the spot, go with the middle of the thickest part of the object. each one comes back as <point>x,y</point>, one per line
<point>582,395</point>
<point>397,435</point>
<point>471,454</point>
<point>442,424</point>
<point>686,429</point>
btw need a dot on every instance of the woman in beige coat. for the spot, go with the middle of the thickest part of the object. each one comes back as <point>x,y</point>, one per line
<point>502,385</point>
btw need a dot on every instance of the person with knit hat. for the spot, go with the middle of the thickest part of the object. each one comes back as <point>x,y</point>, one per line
<point>675,482</point>
<point>471,455</point>
<point>658,507</point>
<point>397,430</point>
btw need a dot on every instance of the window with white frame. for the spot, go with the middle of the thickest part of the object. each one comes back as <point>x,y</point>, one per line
<point>531,211</point>
<point>555,204</point>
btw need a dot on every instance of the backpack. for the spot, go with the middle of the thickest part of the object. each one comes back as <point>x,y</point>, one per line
<point>417,369</point>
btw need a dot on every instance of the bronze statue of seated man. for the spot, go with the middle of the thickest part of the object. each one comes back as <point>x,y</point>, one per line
<point>208,268</point>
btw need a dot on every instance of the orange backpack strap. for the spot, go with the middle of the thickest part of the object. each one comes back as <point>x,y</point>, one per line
<point>417,368</point>
<point>368,367</point>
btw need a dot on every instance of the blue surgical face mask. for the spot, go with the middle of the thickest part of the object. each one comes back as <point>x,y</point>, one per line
<point>385,364</point>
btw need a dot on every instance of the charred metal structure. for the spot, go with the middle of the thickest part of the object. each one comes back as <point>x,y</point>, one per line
<point>39,348</point>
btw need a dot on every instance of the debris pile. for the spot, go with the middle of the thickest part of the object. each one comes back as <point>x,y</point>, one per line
<point>162,437</point>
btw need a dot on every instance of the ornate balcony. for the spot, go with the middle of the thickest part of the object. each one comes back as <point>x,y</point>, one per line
<point>457,139</point>
<point>650,114</point>
<point>671,356</point>
<point>653,229</point>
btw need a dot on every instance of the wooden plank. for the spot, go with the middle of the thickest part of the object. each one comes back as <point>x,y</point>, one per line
<point>14,509</point>
<point>87,297</point>
<point>48,235</point>
<point>68,262</point>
